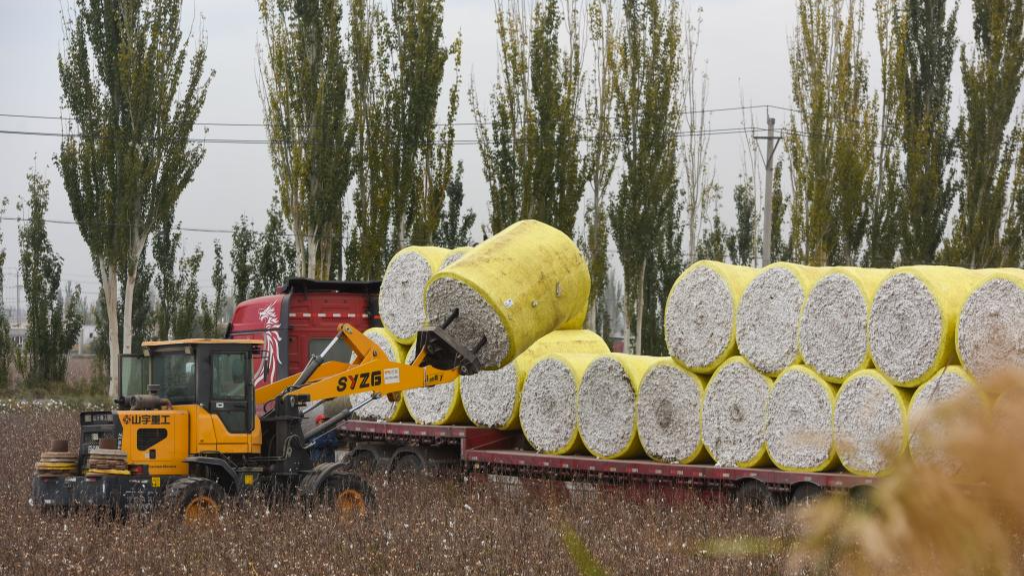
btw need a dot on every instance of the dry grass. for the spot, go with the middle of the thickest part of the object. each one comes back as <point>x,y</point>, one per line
<point>422,526</point>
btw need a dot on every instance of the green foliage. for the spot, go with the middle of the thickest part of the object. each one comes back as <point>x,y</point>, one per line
<point>133,106</point>
<point>781,250</point>
<point>992,74</point>
<point>275,258</point>
<point>647,120</point>
<point>304,89</point>
<point>713,243</point>
<point>454,226</point>
<point>53,320</point>
<point>833,126</point>
<point>244,245</point>
<point>186,312</point>
<point>6,343</point>
<point>743,243</point>
<point>529,145</point>
<point>212,310</point>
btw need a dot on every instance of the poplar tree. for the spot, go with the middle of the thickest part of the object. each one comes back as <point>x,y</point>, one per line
<point>274,257</point>
<point>647,89</point>
<point>986,143</point>
<point>455,225</point>
<point>6,343</point>
<point>133,95</point>
<point>833,128</point>
<point>244,247</point>
<point>213,309</point>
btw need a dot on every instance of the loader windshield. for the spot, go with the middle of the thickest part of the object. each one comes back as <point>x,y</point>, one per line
<point>175,375</point>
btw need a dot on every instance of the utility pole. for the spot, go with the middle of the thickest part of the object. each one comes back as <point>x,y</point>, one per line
<point>769,179</point>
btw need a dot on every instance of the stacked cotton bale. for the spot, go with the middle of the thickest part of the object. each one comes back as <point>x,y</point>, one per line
<point>913,320</point>
<point>834,322</point>
<point>800,422</point>
<point>668,413</point>
<point>734,417</point>
<point>937,407</point>
<point>454,255</point>
<point>768,320</point>
<point>522,283</point>
<point>606,405</point>
<point>492,397</point>
<point>401,291</point>
<point>548,409</point>
<point>870,423</point>
<point>438,405</point>
<point>700,314</point>
<point>382,408</point>
<point>990,330</point>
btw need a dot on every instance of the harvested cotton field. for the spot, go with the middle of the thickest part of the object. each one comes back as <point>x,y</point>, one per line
<point>913,319</point>
<point>800,424</point>
<point>382,408</point>
<point>547,413</point>
<point>668,413</point>
<point>440,404</point>
<point>510,290</point>
<point>734,414</point>
<point>700,314</point>
<point>492,397</point>
<point>768,320</point>
<point>834,322</point>
<point>949,399</point>
<point>606,404</point>
<point>871,423</point>
<point>990,329</point>
<point>401,290</point>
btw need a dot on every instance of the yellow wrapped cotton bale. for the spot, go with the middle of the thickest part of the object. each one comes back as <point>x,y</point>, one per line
<point>800,422</point>
<point>668,407</point>
<point>439,405</point>
<point>768,319</point>
<point>606,405</point>
<point>522,283</point>
<point>700,314</point>
<point>454,256</point>
<point>990,328</point>
<point>547,412</point>
<point>834,322</point>
<point>491,397</point>
<point>735,415</point>
<point>401,291</point>
<point>382,408</point>
<point>949,399</point>
<point>871,423</point>
<point>913,320</point>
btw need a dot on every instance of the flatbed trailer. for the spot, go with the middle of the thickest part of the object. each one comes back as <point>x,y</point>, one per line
<point>389,447</point>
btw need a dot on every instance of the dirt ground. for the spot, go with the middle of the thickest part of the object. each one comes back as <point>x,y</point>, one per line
<point>421,526</point>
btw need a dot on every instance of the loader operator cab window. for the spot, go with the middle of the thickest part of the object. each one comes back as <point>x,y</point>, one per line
<point>230,389</point>
<point>175,374</point>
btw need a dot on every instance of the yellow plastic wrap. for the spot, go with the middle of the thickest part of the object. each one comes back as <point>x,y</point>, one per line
<point>949,287</point>
<point>402,296</point>
<point>531,276</point>
<point>452,411</point>
<point>454,255</point>
<point>700,453</point>
<point>395,351</point>
<point>576,364</point>
<point>902,396</point>
<point>934,411</point>
<point>682,323</point>
<point>559,341</point>
<point>760,459</point>
<point>634,367</point>
<point>997,341</point>
<point>866,282</point>
<point>830,463</point>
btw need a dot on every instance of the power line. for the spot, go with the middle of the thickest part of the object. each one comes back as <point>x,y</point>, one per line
<point>73,223</point>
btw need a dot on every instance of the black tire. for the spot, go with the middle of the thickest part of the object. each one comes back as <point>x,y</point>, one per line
<point>806,493</point>
<point>195,498</point>
<point>754,493</point>
<point>347,493</point>
<point>362,462</point>
<point>408,463</point>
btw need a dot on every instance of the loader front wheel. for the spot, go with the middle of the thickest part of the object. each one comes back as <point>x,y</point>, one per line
<point>196,499</point>
<point>347,493</point>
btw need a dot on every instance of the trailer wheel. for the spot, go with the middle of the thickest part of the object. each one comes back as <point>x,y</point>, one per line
<point>363,462</point>
<point>408,463</point>
<point>805,493</point>
<point>754,493</point>
<point>347,493</point>
<point>195,499</point>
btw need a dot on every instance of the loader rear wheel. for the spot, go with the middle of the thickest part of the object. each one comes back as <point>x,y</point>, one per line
<point>195,499</point>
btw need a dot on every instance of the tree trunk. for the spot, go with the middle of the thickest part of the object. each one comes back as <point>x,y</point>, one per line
<point>129,297</point>
<point>108,280</point>
<point>300,248</point>
<point>638,348</point>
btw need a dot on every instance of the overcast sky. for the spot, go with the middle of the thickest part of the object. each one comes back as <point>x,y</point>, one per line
<point>744,41</point>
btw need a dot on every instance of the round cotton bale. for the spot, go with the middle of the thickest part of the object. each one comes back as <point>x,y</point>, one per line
<point>768,319</point>
<point>382,408</point>
<point>949,398</point>
<point>913,321</point>
<point>438,405</point>
<point>401,291</point>
<point>990,329</point>
<point>522,283</point>
<point>834,322</point>
<point>606,405</point>
<point>454,256</point>
<point>492,397</point>
<point>871,423</point>
<point>668,413</point>
<point>734,417</point>
<point>548,409</point>
<point>800,424</point>
<point>700,314</point>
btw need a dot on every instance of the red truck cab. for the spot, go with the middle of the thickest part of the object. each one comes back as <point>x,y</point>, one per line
<point>300,319</point>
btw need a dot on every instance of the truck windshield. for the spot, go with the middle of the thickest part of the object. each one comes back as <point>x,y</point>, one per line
<point>175,375</point>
